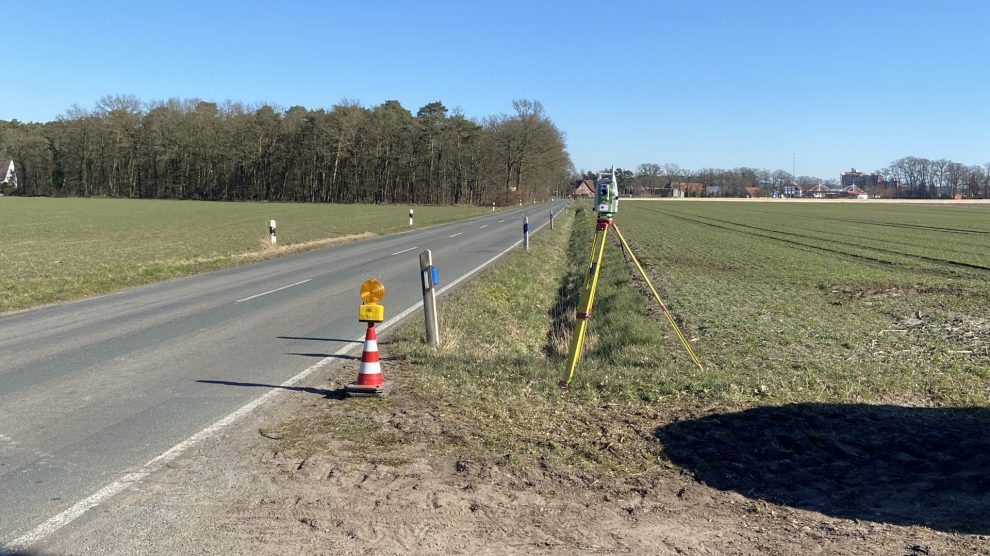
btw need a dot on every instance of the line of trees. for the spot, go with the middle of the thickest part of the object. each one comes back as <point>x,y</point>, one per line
<point>192,149</point>
<point>933,179</point>
<point>732,182</point>
<point>911,177</point>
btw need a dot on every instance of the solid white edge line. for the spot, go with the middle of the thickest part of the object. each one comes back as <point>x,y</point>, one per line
<point>272,291</point>
<point>158,462</point>
<point>403,251</point>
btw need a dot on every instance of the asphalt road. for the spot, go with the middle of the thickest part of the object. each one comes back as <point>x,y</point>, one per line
<point>93,389</point>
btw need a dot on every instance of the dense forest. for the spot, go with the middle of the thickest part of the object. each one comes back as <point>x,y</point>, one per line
<point>192,149</point>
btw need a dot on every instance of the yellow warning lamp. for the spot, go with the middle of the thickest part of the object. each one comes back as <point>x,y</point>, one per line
<point>372,291</point>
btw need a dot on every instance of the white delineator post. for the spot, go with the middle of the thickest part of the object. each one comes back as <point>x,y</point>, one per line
<point>429,277</point>
<point>526,232</point>
<point>271,230</point>
<point>551,219</point>
<point>493,206</point>
<point>410,217</point>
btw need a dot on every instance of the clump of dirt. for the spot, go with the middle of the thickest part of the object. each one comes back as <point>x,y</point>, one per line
<point>855,291</point>
<point>971,334</point>
<point>916,320</point>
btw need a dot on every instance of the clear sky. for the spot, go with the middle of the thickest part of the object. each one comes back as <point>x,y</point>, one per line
<point>835,84</point>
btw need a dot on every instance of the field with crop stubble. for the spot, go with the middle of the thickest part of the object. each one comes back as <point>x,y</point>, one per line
<point>828,302</point>
<point>61,249</point>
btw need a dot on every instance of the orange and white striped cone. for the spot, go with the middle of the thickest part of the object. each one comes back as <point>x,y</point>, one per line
<point>369,381</point>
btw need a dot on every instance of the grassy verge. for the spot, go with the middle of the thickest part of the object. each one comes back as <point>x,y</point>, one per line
<point>492,385</point>
<point>774,324</point>
<point>59,249</point>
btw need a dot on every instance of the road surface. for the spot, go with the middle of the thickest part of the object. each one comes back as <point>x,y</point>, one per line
<point>92,390</point>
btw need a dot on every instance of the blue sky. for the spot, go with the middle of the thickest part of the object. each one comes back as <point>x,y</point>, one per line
<point>698,83</point>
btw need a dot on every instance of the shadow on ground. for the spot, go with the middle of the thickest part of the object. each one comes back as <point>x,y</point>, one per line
<point>337,394</point>
<point>307,338</point>
<point>902,465</point>
<point>326,355</point>
<point>19,552</point>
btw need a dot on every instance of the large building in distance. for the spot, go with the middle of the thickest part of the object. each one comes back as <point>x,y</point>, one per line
<point>860,179</point>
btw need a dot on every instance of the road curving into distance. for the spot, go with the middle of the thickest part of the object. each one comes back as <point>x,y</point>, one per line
<point>94,392</point>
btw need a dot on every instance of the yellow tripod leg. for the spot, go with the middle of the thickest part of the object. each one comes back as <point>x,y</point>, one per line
<point>663,306</point>
<point>587,299</point>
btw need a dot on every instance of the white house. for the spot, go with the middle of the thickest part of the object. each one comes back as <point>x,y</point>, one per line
<point>7,173</point>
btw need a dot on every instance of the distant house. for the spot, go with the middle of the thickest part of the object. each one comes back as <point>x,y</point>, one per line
<point>792,190</point>
<point>685,189</point>
<point>584,188</point>
<point>7,174</point>
<point>713,190</point>
<point>656,191</point>
<point>854,192</point>
<point>754,192</point>
<point>819,191</point>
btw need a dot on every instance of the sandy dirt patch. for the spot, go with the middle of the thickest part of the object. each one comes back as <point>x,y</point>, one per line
<point>744,483</point>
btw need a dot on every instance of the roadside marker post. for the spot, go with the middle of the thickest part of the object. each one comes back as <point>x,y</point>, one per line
<point>410,217</point>
<point>526,232</point>
<point>551,219</point>
<point>493,206</point>
<point>271,231</point>
<point>430,277</point>
<point>369,381</point>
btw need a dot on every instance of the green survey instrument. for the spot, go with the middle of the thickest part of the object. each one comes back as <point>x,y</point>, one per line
<point>606,194</point>
<point>606,205</point>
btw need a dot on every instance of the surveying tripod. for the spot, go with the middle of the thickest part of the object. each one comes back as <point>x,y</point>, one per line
<point>606,201</point>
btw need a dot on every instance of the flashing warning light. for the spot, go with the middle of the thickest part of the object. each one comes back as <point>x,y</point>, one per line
<point>372,290</point>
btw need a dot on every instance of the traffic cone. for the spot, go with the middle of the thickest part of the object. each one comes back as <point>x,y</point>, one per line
<point>369,381</point>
